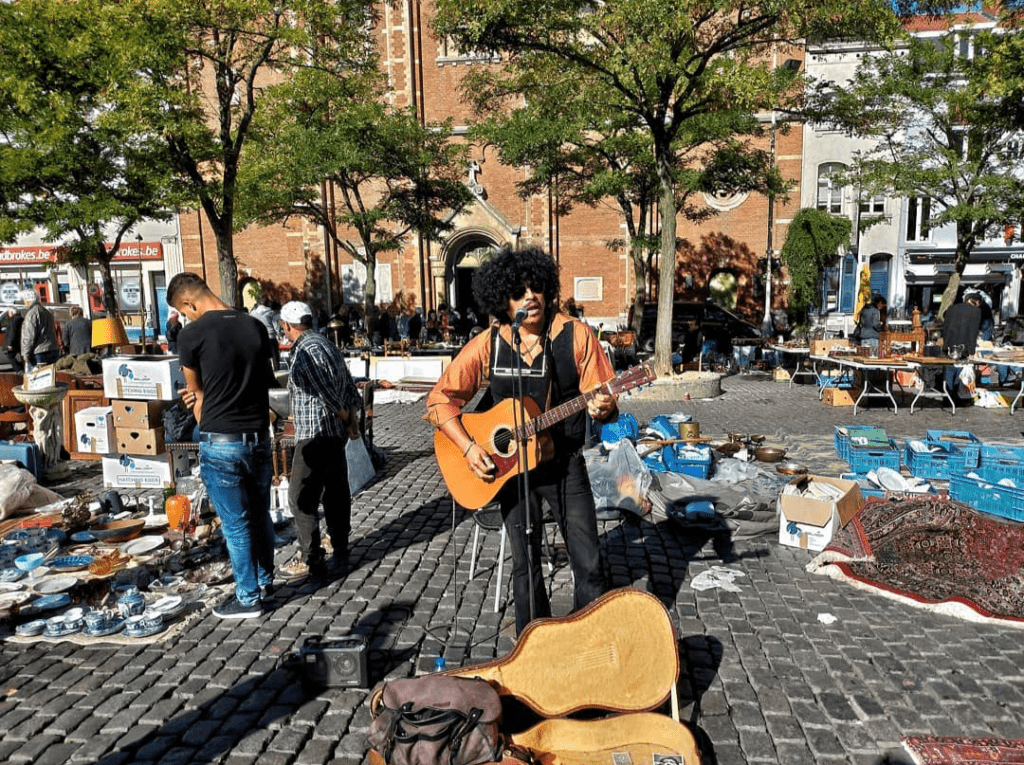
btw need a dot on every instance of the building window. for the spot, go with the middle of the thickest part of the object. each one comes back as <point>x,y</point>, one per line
<point>918,217</point>
<point>872,205</point>
<point>448,53</point>
<point>830,194</point>
<point>588,288</point>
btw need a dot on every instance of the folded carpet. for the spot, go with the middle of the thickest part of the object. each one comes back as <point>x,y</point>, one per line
<point>933,553</point>
<point>941,750</point>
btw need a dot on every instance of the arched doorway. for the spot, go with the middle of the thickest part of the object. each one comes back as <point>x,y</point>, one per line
<point>465,253</point>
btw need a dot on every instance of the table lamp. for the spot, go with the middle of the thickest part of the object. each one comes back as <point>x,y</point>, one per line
<point>108,333</point>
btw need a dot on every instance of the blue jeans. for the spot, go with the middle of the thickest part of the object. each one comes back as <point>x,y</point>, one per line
<point>237,476</point>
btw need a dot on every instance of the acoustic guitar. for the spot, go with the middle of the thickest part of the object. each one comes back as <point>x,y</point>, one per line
<point>502,433</point>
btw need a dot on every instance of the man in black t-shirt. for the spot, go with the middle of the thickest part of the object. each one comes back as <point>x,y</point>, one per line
<point>225,356</point>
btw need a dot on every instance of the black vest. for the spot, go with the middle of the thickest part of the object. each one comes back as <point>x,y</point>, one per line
<point>556,364</point>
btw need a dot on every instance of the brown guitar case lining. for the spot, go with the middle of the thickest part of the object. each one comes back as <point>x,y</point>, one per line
<point>619,654</point>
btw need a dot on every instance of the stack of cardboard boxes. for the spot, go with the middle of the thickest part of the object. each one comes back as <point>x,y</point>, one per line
<point>129,432</point>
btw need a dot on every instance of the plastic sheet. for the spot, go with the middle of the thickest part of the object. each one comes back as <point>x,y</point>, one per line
<point>621,480</point>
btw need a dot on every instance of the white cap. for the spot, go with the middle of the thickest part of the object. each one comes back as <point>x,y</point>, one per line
<point>297,312</point>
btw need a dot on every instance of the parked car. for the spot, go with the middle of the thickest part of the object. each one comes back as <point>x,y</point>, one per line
<point>692,325</point>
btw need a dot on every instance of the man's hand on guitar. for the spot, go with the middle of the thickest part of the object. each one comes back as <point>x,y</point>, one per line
<point>480,463</point>
<point>601,406</point>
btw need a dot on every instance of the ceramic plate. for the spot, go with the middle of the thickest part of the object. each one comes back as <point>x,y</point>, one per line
<point>11,574</point>
<point>48,602</point>
<point>70,562</point>
<point>141,633</point>
<point>8,599</point>
<point>890,480</point>
<point>54,584</point>
<point>156,521</point>
<point>12,586</point>
<point>83,537</point>
<point>31,629</point>
<point>142,545</point>
<point>115,625</point>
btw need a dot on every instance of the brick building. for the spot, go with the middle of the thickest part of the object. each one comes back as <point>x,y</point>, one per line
<point>720,255</point>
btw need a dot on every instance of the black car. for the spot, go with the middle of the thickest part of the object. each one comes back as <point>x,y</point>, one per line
<point>694,324</point>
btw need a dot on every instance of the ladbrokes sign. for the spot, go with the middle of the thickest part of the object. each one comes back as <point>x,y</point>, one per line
<point>47,253</point>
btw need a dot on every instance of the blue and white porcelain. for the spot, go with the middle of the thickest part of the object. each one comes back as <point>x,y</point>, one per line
<point>70,562</point>
<point>131,602</point>
<point>31,629</point>
<point>12,574</point>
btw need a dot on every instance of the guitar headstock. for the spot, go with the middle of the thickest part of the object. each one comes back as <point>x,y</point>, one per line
<point>634,377</point>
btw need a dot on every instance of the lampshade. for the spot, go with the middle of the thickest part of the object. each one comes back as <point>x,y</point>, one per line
<point>108,331</point>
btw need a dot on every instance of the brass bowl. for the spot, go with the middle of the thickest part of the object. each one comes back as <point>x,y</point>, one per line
<point>119,531</point>
<point>791,468</point>
<point>769,454</point>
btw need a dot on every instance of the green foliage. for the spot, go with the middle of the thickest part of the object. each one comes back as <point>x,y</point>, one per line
<point>943,124</point>
<point>389,173</point>
<point>683,73</point>
<point>69,166</point>
<point>814,241</point>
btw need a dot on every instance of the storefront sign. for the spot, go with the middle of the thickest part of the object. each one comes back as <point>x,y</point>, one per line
<point>47,253</point>
<point>10,292</point>
<point>130,295</point>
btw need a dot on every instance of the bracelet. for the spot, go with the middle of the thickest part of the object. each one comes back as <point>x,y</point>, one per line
<point>472,443</point>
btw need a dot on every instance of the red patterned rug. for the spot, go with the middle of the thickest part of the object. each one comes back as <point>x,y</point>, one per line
<point>933,553</point>
<point>936,750</point>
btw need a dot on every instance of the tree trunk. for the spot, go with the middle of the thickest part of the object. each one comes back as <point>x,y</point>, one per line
<point>963,250</point>
<point>636,252</point>
<point>227,268</point>
<point>370,292</point>
<point>666,271</point>
<point>109,291</point>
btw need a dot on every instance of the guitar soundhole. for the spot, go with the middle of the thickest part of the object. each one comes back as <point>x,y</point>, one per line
<point>504,443</point>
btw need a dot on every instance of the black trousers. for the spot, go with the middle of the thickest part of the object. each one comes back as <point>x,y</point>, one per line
<point>565,485</point>
<point>320,473</point>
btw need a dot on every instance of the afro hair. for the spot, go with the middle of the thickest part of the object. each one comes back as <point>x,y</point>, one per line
<point>507,272</point>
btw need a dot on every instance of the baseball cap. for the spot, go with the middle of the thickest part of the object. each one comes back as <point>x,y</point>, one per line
<point>297,312</point>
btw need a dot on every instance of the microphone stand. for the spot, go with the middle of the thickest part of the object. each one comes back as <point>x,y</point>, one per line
<point>519,421</point>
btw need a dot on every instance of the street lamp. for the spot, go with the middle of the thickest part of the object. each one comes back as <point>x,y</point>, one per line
<point>142,293</point>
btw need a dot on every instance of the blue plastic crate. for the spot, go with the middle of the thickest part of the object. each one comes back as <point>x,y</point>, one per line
<point>1004,461</point>
<point>865,460</point>
<point>961,441</point>
<point>676,462</point>
<point>842,440</point>
<point>941,464</point>
<point>984,493</point>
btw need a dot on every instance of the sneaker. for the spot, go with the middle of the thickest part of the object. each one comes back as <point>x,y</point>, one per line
<point>267,591</point>
<point>233,608</point>
<point>338,566</point>
<point>295,569</point>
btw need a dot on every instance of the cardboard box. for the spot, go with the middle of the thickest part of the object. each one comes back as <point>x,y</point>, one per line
<point>126,471</point>
<point>810,523</point>
<point>840,396</point>
<point>143,377</point>
<point>147,442</point>
<point>822,347</point>
<point>94,430</point>
<point>780,375</point>
<point>140,415</point>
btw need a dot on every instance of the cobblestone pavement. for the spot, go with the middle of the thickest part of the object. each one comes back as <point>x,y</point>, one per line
<point>762,678</point>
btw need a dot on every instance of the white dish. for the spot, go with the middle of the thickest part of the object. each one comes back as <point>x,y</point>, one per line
<point>142,545</point>
<point>8,599</point>
<point>890,480</point>
<point>54,584</point>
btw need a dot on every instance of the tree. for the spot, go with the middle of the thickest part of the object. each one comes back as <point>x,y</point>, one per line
<point>668,65</point>
<point>945,130</point>
<point>814,239</point>
<point>67,167</point>
<point>390,173</point>
<point>593,156</point>
<point>204,70</point>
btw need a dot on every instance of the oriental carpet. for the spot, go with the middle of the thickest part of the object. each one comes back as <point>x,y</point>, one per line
<point>939,750</point>
<point>933,553</point>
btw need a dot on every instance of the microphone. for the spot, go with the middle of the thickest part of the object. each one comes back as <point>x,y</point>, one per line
<point>519,318</point>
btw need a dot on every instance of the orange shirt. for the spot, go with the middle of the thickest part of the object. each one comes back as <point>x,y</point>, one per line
<point>465,375</point>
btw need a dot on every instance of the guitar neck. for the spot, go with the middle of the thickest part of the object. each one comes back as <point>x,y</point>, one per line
<point>546,419</point>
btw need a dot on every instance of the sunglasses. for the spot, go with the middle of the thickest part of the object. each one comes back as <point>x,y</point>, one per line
<point>519,291</point>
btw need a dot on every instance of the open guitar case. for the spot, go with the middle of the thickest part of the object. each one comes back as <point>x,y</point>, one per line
<point>619,655</point>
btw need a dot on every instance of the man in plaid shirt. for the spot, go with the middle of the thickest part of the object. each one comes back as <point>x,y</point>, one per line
<point>325,408</point>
